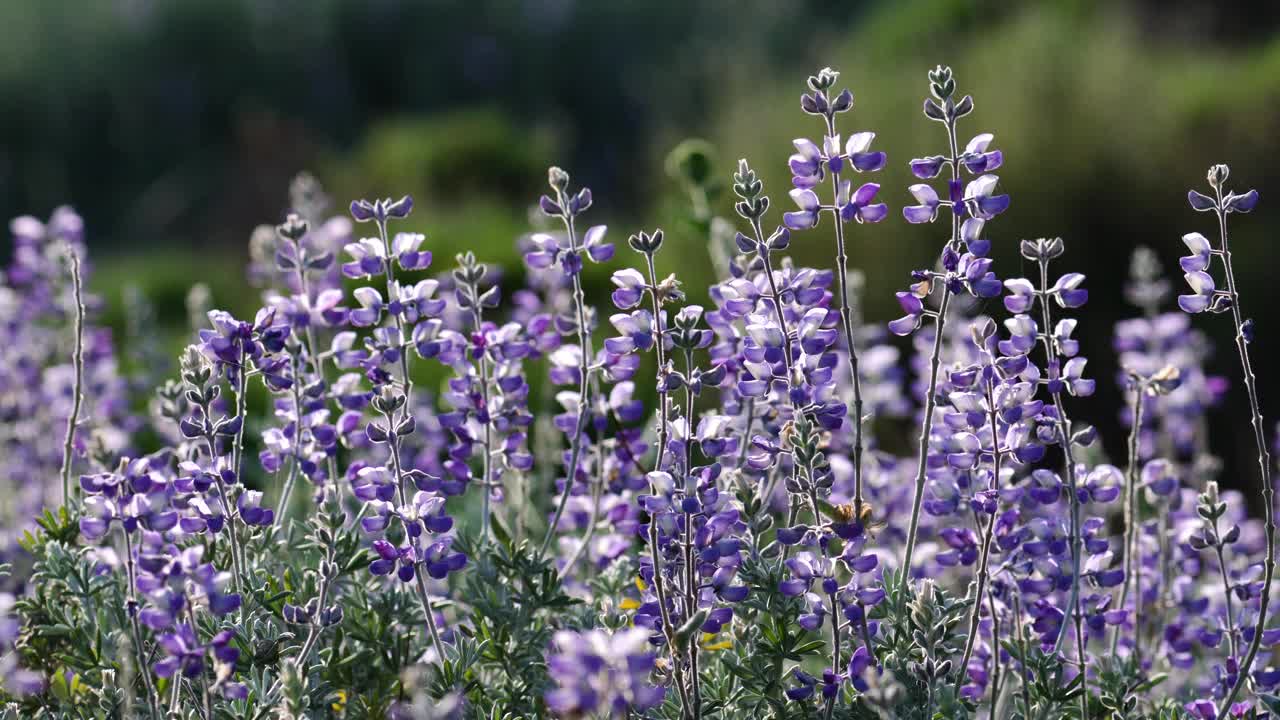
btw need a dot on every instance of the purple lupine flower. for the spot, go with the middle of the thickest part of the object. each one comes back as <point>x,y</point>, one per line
<point>980,199</point>
<point>858,151</point>
<point>1206,709</point>
<point>810,163</point>
<point>636,332</point>
<point>858,205</point>
<point>368,258</point>
<point>977,159</point>
<point>810,209</point>
<point>927,209</point>
<point>807,164</point>
<point>1201,253</point>
<point>380,211</point>
<point>598,672</point>
<point>186,655</point>
<point>912,304</point>
<point>927,168</point>
<point>552,249</point>
<point>1203,292</point>
<point>408,252</point>
<point>631,285</point>
<point>1067,291</point>
<point>251,511</point>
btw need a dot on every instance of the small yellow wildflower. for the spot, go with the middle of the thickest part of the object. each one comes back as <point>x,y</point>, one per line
<point>710,646</point>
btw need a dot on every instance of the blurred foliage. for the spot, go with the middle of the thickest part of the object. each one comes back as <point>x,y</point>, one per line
<point>447,160</point>
<point>187,117</point>
<point>1105,123</point>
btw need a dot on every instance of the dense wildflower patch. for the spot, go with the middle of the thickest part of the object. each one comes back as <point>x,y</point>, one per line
<point>396,491</point>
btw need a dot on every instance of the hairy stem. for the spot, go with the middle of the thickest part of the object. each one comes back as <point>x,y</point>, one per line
<point>1131,563</point>
<point>926,429</point>
<point>394,442</point>
<point>1077,540</point>
<point>392,293</point>
<point>835,608</point>
<point>425,599</point>
<point>486,464</point>
<point>781,317</point>
<point>228,508</point>
<point>286,491</point>
<point>996,665</point>
<point>984,560</point>
<point>237,455</point>
<point>317,366</point>
<point>597,488</point>
<point>134,628</point>
<point>690,557</point>
<point>77,361</point>
<point>584,369</point>
<point>1264,464</point>
<point>655,553</point>
<point>1232,641</point>
<point>930,401</point>
<point>846,323</point>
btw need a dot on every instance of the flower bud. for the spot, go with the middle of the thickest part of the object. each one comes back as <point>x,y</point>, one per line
<point>558,179</point>
<point>1218,175</point>
<point>293,228</point>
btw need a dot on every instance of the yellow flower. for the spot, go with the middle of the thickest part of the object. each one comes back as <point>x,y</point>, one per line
<point>710,646</point>
<point>340,701</point>
<point>629,603</point>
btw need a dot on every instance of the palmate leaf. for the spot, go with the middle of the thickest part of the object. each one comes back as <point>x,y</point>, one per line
<point>58,525</point>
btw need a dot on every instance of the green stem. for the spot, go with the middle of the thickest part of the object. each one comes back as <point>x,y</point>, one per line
<point>1022,650</point>
<point>996,669</point>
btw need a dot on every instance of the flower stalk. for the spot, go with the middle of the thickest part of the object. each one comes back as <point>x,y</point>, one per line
<point>77,361</point>
<point>1206,297</point>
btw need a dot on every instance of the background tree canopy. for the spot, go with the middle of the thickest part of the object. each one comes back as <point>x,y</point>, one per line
<point>174,127</point>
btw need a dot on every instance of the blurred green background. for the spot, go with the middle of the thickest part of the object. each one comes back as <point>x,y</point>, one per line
<point>174,127</point>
